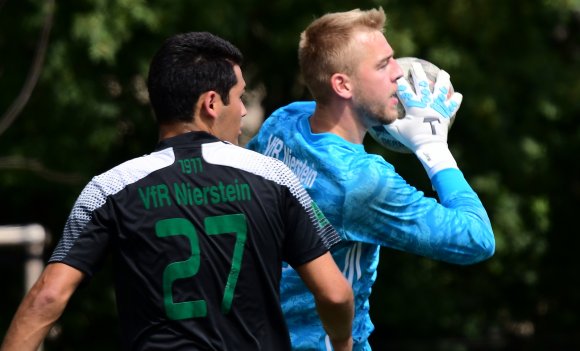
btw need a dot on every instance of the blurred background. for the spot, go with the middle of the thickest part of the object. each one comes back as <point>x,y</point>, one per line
<point>73,103</point>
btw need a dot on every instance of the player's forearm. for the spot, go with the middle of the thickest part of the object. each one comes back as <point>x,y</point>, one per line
<point>342,345</point>
<point>41,307</point>
<point>333,297</point>
<point>337,318</point>
<point>31,323</point>
<point>455,193</point>
<point>23,336</point>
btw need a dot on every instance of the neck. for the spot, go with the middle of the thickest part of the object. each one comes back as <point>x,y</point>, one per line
<point>169,130</point>
<point>339,119</point>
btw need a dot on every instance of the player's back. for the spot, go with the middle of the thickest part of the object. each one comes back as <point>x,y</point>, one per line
<point>198,242</point>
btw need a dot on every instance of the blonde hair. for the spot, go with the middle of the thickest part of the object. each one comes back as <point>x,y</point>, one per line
<point>326,47</point>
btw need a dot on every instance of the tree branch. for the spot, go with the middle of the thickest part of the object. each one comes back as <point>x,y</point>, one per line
<point>19,103</point>
<point>20,163</point>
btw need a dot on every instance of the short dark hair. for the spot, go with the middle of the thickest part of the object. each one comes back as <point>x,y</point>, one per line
<point>186,66</point>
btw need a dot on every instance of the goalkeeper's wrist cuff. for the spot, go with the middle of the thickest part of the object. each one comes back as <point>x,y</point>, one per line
<point>435,157</point>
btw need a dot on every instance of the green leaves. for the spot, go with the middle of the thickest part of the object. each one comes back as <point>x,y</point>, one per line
<point>516,138</point>
<point>108,25</point>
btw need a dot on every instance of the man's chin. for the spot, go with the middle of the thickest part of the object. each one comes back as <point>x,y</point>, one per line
<point>389,118</point>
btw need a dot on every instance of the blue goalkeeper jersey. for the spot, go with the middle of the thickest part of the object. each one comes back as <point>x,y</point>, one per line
<point>370,205</point>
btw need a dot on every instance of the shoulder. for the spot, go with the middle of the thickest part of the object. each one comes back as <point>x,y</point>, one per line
<point>226,154</point>
<point>292,111</point>
<point>137,168</point>
<point>298,107</point>
<point>119,177</point>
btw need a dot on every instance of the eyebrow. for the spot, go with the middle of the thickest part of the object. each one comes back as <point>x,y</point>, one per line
<point>384,61</point>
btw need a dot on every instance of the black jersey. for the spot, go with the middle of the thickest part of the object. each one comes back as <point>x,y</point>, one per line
<point>198,230</point>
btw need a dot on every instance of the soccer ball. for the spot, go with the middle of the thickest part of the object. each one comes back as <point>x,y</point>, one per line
<point>379,133</point>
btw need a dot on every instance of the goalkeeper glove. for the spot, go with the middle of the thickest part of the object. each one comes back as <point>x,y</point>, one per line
<point>428,115</point>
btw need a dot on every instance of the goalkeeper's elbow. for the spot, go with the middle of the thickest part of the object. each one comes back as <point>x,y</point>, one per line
<point>487,249</point>
<point>481,249</point>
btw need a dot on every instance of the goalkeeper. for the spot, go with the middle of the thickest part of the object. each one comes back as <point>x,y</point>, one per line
<point>349,68</point>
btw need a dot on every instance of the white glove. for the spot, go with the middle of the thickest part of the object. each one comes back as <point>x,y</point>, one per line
<point>426,123</point>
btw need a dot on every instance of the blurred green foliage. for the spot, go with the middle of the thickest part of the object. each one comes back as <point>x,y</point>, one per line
<point>517,139</point>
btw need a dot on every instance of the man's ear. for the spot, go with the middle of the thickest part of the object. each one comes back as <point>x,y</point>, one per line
<point>341,85</point>
<point>210,103</point>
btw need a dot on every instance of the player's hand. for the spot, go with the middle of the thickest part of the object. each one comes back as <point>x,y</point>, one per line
<point>428,115</point>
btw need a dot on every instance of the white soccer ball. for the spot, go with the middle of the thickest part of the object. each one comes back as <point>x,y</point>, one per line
<point>379,133</point>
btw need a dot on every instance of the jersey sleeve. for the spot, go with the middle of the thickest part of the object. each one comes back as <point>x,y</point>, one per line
<point>89,227</point>
<point>86,234</point>
<point>397,215</point>
<point>303,243</point>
